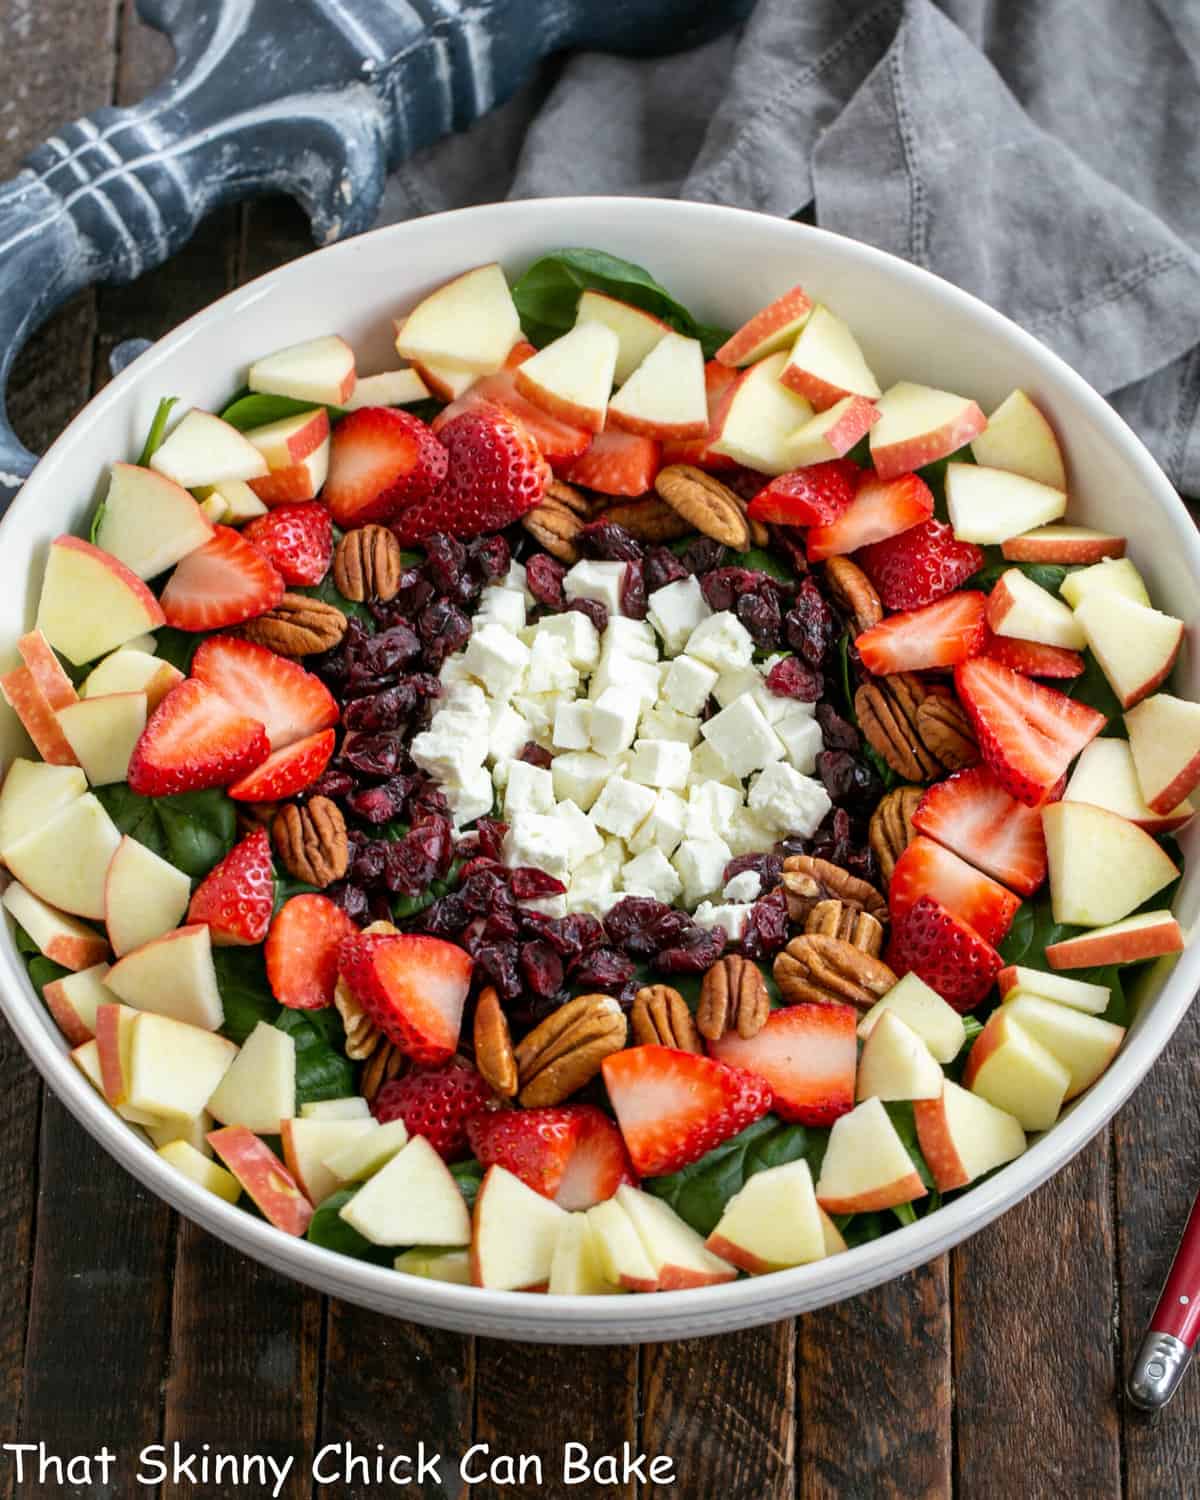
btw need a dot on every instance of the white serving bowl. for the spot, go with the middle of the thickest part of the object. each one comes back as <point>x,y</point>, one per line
<point>723,264</point>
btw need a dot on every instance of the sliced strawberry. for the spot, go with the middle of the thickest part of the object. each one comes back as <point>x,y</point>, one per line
<point>381,460</point>
<point>496,474</point>
<point>302,950</point>
<point>194,739</point>
<point>928,869</point>
<point>719,381</point>
<point>28,702</point>
<point>437,1103</point>
<point>674,1107</point>
<point>286,771</point>
<point>880,509</point>
<point>558,441</point>
<point>412,987</point>
<point>236,898</point>
<point>939,635</point>
<point>280,694</point>
<point>971,813</point>
<point>815,496</point>
<point>1028,734</point>
<point>1032,658</point>
<point>808,1054</point>
<point>922,564</point>
<point>226,581</point>
<point>616,463</point>
<point>945,952</point>
<point>573,1153</point>
<point>297,538</point>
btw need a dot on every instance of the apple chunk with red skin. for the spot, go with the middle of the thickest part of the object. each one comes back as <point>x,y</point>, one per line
<point>73,884</point>
<point>637,331</point>
<point>571,377</point>
<point>467,324</point>
<point>297,450</point>
<point>1102,867</point>
<point>388,388</point>
<point>173,976</point>
<point>1105,775</point>
<point>320,369</point>
<point>132,671</point>
<point>962,1136</point>
<point>32,793</point>
<point>203,449</point>
<point>1019,438</point>
<point>102,731</point>
<point>622,1256</point>
<point>678,1254</point>
<point>938,1025</point>
<point>772,328</point>
<point>1085,1045</point>
<point>826,364</point>
<point>665,397</point>
<point>1079,994</point>
<point>1135,645</point>
<point>896,1063</point>
<point>74,1000</point>
<point>264,1177</point>
<point>114,1037</point>
<point>919,424</point>
<point>866,1166</point>
<point>413,1200</point>
<point>513,1233</point>
<point>307,1144</point>
<point>1164,739</point>
<point>1149,935</point>
<point>55,686</point>
<point>190,1162</point>
<point>63,940</point>
<point>173,1069</point>
<point>38,719</point>
<point>1062,544</point>
<point>148,521</point>
<point>145,896</point>
<point>772,1222</point>
<point>577,1269</point>
<point>757,418</point>
<point>1013,1071</point>
<point>87,1059</point>
<point>91,603</point>
<point>988,506</point>
<point>259,1090</point>
<point>832,433</point>
<point>1020,608</point>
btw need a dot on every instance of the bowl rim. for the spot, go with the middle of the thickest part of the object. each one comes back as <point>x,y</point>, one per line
<point>740,1303</point>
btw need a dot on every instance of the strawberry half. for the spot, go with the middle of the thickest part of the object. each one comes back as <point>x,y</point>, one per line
<point>674,1107</point>
<point>808,1054</point>
<point>815,496</point>
<point>922,564</point>
<point>380,460</point>
<point>927,869</point>
<point>412,987</point>
<point>945,952</point>
<point>302,950</point>
<point>573,1154</point>
<point>719,381</point>
<point>286,771</point>
<point>298,539</point>
<point>1032,658</point>
<point>616,463</point>
<point>290,702</point>
<point>972,814</point>
<point>236,898</point>
<point>226,581</point>
<point>437,1103</point>
<point>939,635</point>
<point>1028,734</point>
<point>194,739</point>
<point>496,474</point>
<point>880,509</point>
<point>558,441</point>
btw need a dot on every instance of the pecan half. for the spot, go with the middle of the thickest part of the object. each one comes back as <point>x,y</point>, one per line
<point>555,528</point>
<point>494,1055</point>
<point>886,709</point>
<point>297,626</point>
<point>710,506</point>
<point>661,1018</point>
<point>807,880</point>
<point>891,829</point>
<point>830,970</point>
<point>854,592</point>
<point>733,997</point>
<point>311,841</point>
<point>649,519</point>
<point>834,918</point>
<point>566,1050</point>
<point>558,491</point>
<point>382,1060</point>
<point>946,731</point>
<point>367,564</point>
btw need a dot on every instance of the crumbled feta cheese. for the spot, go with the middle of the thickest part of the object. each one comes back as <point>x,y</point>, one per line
<point>538,712</point>
<point>665,723</point>
<point>788,801</point>
<point>676,610</point>
<point>712,806</point>
<point>547,906</point>
<point>502,607</point>
<point>748,834</point>
<point>473,799</point>
<point>708,764</point>
<point>729,916</point>
<point>537,839</point>
<point>621,806</point>
<point>580,638</point>
<point>637,680</point>
<point>550,669</point>
<point>573,725</point>
<point>578,777</point>
<point>742,737</point>
<point>497,658</point>
<point>736,681</point>
<point>651,874</point>
<point>530,789</point>
<point>628,637</point>
<point>745,886</point>
<point>614,720</point>
<point>801,738</point>
<point>515,579</point>
<point>454,669</point>
<point>596,580</point>
<point>583,839</point>
<point>688,684</point>
<point>722,641</point>
<point>660,763</point>
<point>701,866</point>
<point>663,828</point>
<point>508,732</point>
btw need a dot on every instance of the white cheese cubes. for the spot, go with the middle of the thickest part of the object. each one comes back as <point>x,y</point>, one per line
<point>742,737</point>
<point>602,581</point>
<point>676,611</point>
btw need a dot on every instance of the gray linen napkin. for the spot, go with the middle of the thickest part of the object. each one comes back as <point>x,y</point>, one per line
<point>1040,153</point>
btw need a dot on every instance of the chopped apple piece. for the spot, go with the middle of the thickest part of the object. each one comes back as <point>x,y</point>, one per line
<point>637,331</point>
<point>355,1107</point>
<point>1077,993</point>
<point>319,369</point>
<point>264,1177</point>
<point>103,732</point>
<point>306,1144</point>
<point>184,1157</point>
<point>938,1025</point>
<point>390,388</point>
<point>87,1060</point>
<point>1150,935</point>
<point>513,1234</point>
<point>114,1038</point>
<point>576,1269</point>
<point>1085,1045</point>
<point>259,1090</point>
<point>1062,544</point>
<point>446,384</point>
<point>992,505</point>
<point>1102,867</point>
<point>203,449</point>
<point>1164,739</point>
<point>28,702</point>
<point>772,328</point>
<point>896,1063</point>
<point>757,418</point>
<point>678,1254</point>
<point>772,1222</point>
<point>149,522</point>
<point>962,1136</point>
<point>144,896</point>
<point>834,1243</point>
<point>32,793</point>
<point>74,1000</point>
<point>918,425</point>
<point>831,433</point>
<point>665,396</point>
<point>414,1200</point>
<point>127,671</point>
<point>46,669</point>
<point>623,1258</point>
<point>90,602</point>
<point>74,881</point>
<point>174,1068</point>
<point>64,940</point>
<point>359,1160</point>
<point>826,364</point>
<point>1022,609</point>
<point>240,502</point>
<point>866,1166</point>
<point>1019,438</point>
<point>1011,1070</point>
<point>297,450</point>
<point>173,976</point>
<point>1105,776</point>
<point>469,323</point>
<point>215,510</point>
<point>1135,646</point>
<point>194,1130</point>
<point>436,1263</point>
<point>572,377</point>
<point>1113,575</point>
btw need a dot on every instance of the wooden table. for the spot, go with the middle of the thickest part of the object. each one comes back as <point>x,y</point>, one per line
<point>992,1372</point>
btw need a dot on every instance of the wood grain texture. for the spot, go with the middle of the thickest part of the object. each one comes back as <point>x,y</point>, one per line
<point>724,1410</point>
<point>20,1111</point>
<point>874,1393</point>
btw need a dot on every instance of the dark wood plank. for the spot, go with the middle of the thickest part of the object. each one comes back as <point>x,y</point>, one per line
<point>20,1109</point>
<point>1035,1368</point>
<point>1157,1176</point>
<point>874,1393</point>
<point>723,1410</point>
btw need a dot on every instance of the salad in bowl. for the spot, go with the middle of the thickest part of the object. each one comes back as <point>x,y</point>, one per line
<point>606,805</point>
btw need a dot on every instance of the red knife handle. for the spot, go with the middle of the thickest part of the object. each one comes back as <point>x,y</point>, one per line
<point>1178,1310</point>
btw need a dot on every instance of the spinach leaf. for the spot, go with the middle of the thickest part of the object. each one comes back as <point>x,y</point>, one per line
<point>158,430</point>
<point>468,1175</point>
<point>1046,575</point>
<point>759,560</point>
<point>861,1229</point>
<point>134,815</point>
<point>328,592</point>
<point>972,1026</point>
<point>844,679</point>
<point>1034,929</point>
<point>1092,688</point>
<point>254,410</point>
<point>905,1212</point>
<point>547,295</point>
<point>177,646</point>
<point>901,1116</point>
<point>194,830</point>
<point>286,888</point>
<point>333,1233</point>
<point>245,991</point>
<point>880,767</point>
<point>322,1072</point>
<point>25,945</point>
<point>43,971</point>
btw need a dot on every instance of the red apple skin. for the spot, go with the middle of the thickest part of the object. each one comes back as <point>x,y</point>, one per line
<point>744,345</point>
<point>683,1278</point>
<point>77,953</point>
<point>857,420</point>
<point>984,1045</point>
<point>661,431</point>
<point>270,1185</point>
<point>905,1189</point>
<point>291,1160</point>
<point>55,685</point>
<point>285,486</point>
<point>1007,980</point>
<point>1089,952</point>
<point>1159,677</point>
<point>1000,605</point>
<point>820,394</point>
<point>1181,785</point>
<point>108,1046</point>
<point>308,438</point>
<point>1031,548</point>
<point>738,1255</point>
<point>29,704</point>
<point>914,453</point>
<point>937,1145</point>
<point>66,1017</point>
<point>147,600</point>
<point>587,417</point>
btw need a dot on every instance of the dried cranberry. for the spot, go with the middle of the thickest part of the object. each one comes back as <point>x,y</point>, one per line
<point>836,732</point>
<point>702,555</point>
<point>443,628</point>
<point>375,755</point>
<point>791,541</point>
<point>379,907</point>
<point>367,862</point>
<point>489,557</point>
<point>596,612</point>
<point>633,592</point>
<point>411,597</point>
<point>633,915</point>
<point>534,754</point>
<point>744,482</point>
<point>330,783</point>
<point>768,868</point>
<point>793,678</point>
<point>608,542</point>
<point>497,964</point>
<point>485,839</point>
<point>484,890</point>
<point>479,864</point>
<point>383,654</point>
<point>544,580</point>
<point>445,561</point>
<point>809,624</point>
<point>761,615</point>
<point>695,957</point>
<point>351,898</point>
<point>380,804</point>
<point>663,567</point>
<point>501,923</point>
<point>766,929</point>
<point>847,780</point>
<point>528,884</point>
<point>569,936</point>
<point>541,969</point>
<point>446,917</point>
<point>385,710</point>
<point>722,586</point>
<point>602,969</point>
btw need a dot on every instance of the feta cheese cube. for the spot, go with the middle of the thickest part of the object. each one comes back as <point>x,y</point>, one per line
<point>550,670</point>
<point>789,802</point>
<point>676,610</point>
<point>731,917</point>
<point>711,809</point>
<point>651,874</point>
<point>503,607</point>
<point>629,638</point>
<point>742,737</point>
<point>738,680</point>
<point>688,684</point>
<point>454,669</point>
<point>529,789</point>
<point>537,839</point>
<point>596,876</point>
<point>580,638</point>
<point>614,720</point>
<point>708,764</point>
<point>447,757</point>
<point>700,864</point>
<point>573,725</point>
<point>745,886</point>
<point>800,735</point>
<point>636,679</point>
<point>722,641</point>
<point>748,834</point>
<point>596,580</point>
<point>547,906</point>
<point>662,722</point>
<point>621,806</point>
<point>515,579</point>
<point>663,828</point>
<point>578,777</point>
<point>473,799</point>
<point>497,658</point>
<point>660,763</point>
<point>463,698</point>
<point>538,712</point>
<point>583,838</point>
<point>508,733</point>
